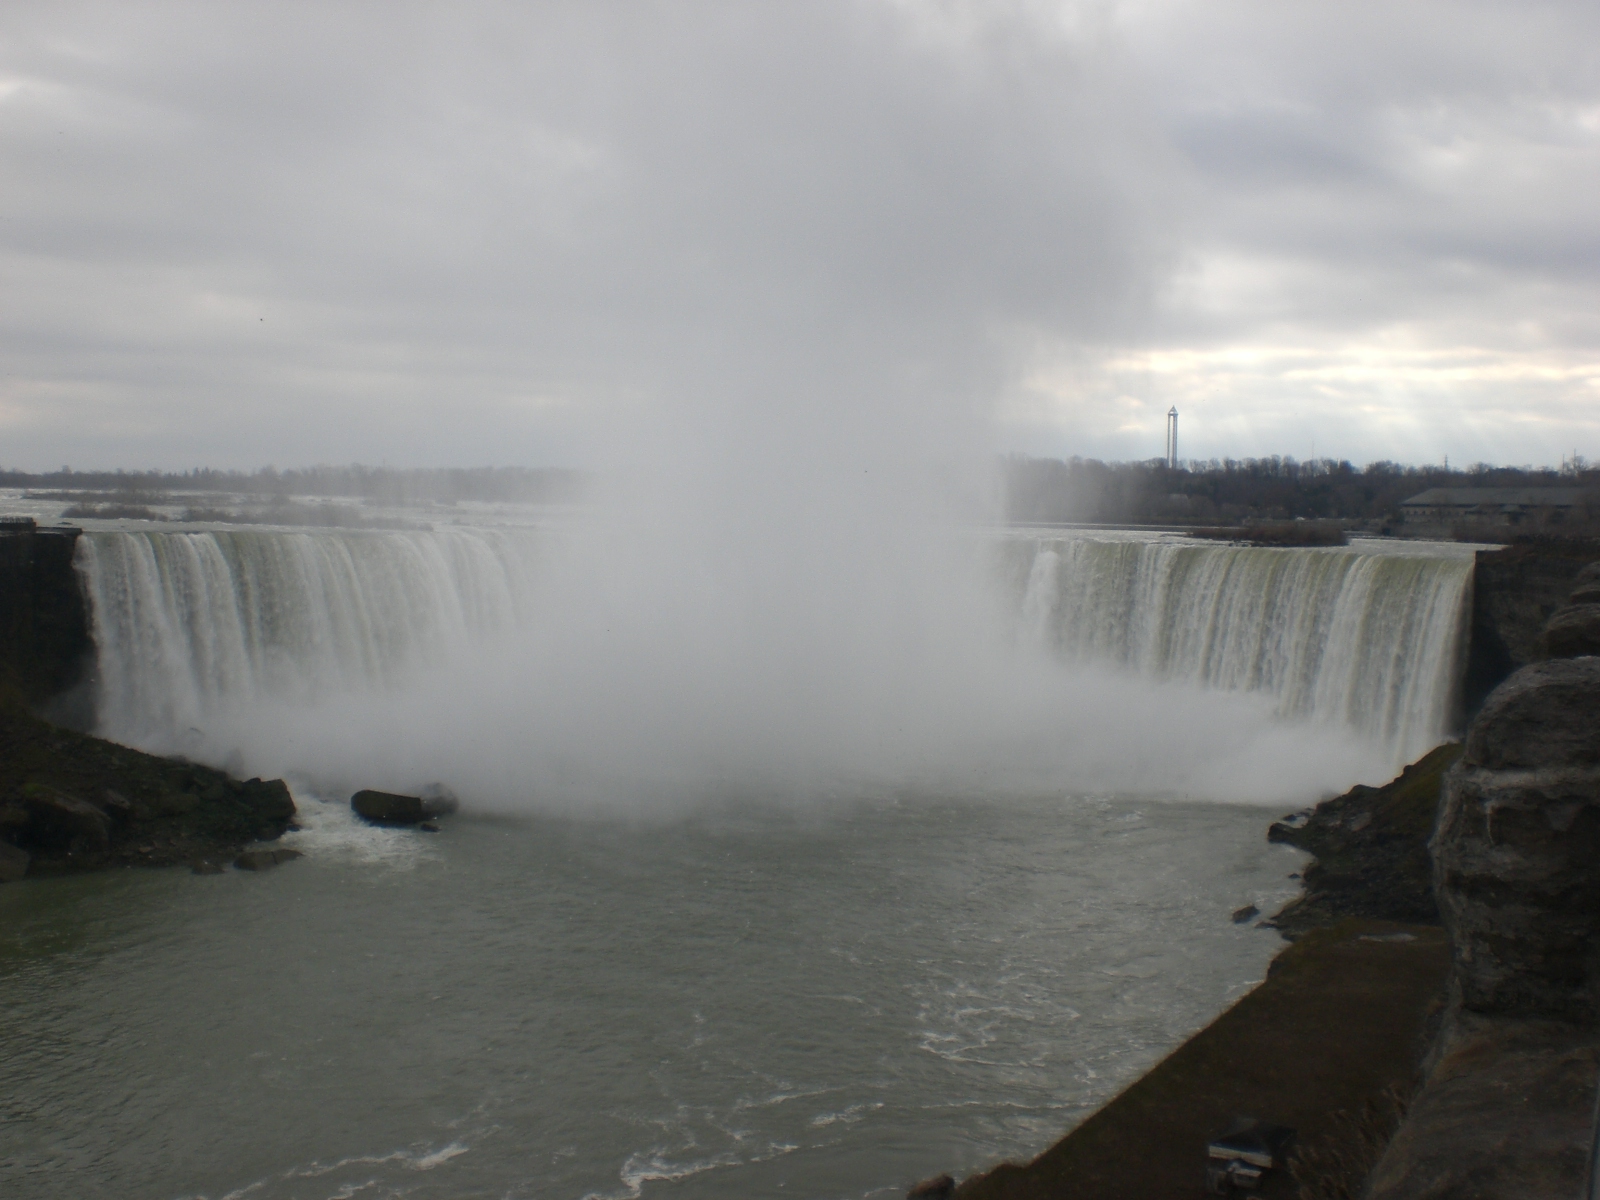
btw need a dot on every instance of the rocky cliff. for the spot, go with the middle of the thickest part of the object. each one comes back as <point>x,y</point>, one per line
<point>46,652</point>
<point>1507,1110</point>
<point>1515,591</point>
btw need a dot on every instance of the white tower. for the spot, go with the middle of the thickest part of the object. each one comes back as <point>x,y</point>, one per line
<point>1172,438</point>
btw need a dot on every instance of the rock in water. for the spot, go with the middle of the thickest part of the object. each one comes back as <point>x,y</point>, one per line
<point>387,808</point>
<point>1517,847</point>
<point>1246,913</point>
<point>940,1187</point>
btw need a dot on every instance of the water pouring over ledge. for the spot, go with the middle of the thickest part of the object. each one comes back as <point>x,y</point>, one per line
<point>580,666</point>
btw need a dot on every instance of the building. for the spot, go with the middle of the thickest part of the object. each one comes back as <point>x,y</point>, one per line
<point>1494,506</point>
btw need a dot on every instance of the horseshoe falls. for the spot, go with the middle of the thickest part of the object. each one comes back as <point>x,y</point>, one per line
<point>566,662</point>
<point>783,867</point>
<point>1371,638</point>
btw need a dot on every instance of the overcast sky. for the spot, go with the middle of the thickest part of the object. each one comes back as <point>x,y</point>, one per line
<point>235,234</point>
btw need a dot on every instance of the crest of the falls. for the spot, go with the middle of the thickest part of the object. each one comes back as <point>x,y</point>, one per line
<point>1366,637</point>
<point>585,663</point>
<point>186,621</point>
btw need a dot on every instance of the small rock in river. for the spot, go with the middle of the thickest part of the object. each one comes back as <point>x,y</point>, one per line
<point>1246,913</point>
<point>940,1187</point>
<point>387,808</point>
<point>428,827</point>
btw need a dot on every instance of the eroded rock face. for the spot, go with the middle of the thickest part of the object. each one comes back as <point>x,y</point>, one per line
<point>1573,631</point>
<point>1517,848</point>
<point>1506,1113</point>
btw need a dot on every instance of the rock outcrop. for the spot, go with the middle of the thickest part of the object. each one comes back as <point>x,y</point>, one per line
<point>72,802</point>
<point>1508,1108</point>
<point>1515,591</point>
<point>1371,848</point>
<point>46,653</point>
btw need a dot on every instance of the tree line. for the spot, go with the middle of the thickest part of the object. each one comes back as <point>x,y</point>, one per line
<point>378,485</point>
<point>1226,491</point>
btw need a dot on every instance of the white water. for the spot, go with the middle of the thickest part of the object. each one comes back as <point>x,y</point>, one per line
<point>512,665</point>
<point>1366,638</point>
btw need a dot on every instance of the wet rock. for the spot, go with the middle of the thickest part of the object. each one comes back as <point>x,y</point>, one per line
<point>264,860</point>
<point>206,867</point>
<point>55,816</point>
<point>1246,913</point>
<point>940,1187</point>
<point>1517,848</point>
<point>387,808</point>
<point>1371,848</point>
<point>268,798</point>
<point>1573,631</point>
<point>429,827</point>
<point>13,862</point>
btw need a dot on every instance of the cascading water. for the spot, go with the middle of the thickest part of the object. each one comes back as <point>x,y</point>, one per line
<point>1365,637</point>
<point>183,621</point>
<point>419,646</point>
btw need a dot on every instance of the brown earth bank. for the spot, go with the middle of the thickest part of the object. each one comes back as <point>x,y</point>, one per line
<point>1331,1044</point>
<point>73,802</point>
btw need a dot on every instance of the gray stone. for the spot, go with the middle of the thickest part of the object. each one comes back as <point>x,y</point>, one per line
<point>1517,847</point>
<point>1543,716</point>
<point>1505,1115</point>
<point>1246,913</point>
<point>1573,631</point>
<point>13,862</point>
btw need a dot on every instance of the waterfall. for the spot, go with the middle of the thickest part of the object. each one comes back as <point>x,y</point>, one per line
<point>593,654</point>
<point>185,621</point>
<point>1368,637</point>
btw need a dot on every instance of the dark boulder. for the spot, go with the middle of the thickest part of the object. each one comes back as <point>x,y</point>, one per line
<point>13,862</point>
<point>1248,912</point>
<point>387,808</point>
<point>940,1187</point>
<point>1573,631</point>
<point>54,817</point>
<point>268,798</point>
<point>391,808</point>
<point>1543,716</point>
<point>1517,848</point>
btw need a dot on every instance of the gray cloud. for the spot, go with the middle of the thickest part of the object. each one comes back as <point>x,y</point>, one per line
<point>577,232</point>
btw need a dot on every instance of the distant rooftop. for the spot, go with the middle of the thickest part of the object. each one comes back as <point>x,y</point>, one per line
<point>1536,497</point>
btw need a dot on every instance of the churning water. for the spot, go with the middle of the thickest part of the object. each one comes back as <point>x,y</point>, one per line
<point>759,1001</point>
<point>787,889</point>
